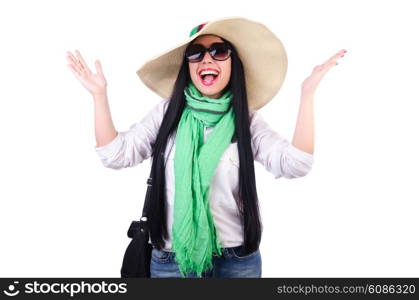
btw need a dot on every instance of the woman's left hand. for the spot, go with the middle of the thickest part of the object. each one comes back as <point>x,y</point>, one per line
<point>310,84</point>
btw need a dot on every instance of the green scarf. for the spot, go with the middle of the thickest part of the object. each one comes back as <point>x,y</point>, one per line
<point>194,234</point>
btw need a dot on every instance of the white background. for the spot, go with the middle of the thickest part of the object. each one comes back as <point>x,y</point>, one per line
<point>62,214</point>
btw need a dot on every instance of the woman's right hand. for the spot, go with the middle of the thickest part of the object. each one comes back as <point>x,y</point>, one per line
<point>94,83</point>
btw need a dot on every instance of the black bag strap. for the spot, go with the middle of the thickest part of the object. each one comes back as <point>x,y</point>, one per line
<point>147,199</point>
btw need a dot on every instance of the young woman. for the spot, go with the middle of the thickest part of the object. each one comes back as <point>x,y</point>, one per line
<point>203,138</point>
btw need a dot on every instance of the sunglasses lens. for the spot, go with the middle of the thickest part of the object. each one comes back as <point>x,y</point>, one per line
<point>220,51</point>
<point>195,53</point>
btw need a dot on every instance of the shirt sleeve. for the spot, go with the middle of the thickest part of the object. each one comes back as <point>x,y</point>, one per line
<point>278,155</point>
<point>131,147</point>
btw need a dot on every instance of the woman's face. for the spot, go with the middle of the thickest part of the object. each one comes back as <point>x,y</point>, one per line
<point>210,86</point>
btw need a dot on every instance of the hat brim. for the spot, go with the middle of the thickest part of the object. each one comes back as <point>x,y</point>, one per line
<point>263,56</point>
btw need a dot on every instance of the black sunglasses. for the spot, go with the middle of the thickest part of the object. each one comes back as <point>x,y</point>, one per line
<point>218,51</point>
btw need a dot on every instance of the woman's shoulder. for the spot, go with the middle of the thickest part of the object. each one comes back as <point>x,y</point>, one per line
<point>255,118</point>
<point>163,103</point>
<point>160,107</point>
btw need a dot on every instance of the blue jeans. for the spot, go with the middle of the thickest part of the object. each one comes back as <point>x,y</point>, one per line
<point>232,264</point>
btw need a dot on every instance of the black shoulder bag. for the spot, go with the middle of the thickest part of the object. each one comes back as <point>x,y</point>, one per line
<point>136,262</point>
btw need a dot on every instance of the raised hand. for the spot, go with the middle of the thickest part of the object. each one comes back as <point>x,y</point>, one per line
<point>94,83</point>
<point>310,84</point>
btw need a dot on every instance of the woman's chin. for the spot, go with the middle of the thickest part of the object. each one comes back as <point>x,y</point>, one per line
<point>211,93</point>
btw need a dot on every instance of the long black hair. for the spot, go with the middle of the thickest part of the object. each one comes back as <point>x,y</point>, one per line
<point>247,203</point>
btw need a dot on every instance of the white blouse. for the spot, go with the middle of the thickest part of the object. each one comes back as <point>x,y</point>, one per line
<point>273,151</point>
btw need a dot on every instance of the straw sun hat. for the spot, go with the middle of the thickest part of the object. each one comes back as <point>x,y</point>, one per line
<point>261,52</point>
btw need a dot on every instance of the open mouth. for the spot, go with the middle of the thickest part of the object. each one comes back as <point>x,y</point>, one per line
<point>208,79</point>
